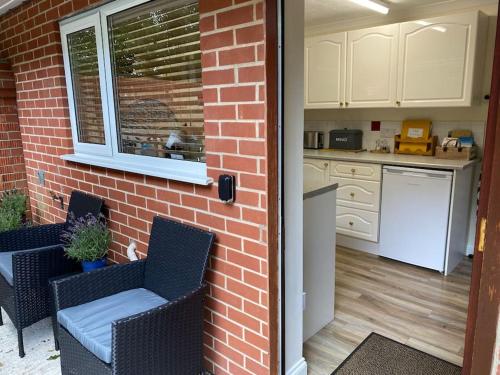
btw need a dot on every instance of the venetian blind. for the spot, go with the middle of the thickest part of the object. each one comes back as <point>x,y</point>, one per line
<point>156,65</point>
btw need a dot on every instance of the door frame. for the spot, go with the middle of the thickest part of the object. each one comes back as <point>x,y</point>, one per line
<point>484,296</point>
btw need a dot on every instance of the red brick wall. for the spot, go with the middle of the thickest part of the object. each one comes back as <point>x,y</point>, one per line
<point>12,170</point>
<point>237,331</point>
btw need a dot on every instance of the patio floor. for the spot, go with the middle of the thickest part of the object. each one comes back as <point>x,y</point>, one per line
<point>39,347</point>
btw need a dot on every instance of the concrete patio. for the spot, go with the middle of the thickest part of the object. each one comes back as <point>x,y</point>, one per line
<point>41,358</point>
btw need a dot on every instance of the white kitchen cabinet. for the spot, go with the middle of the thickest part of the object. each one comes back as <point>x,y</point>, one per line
<point>325,71</point>
<point>435,62</point>
<point>357,193</point>
<point>365,171</point>
<point>316,174</point>
<point>439,60</point>
<point>358,223</point>
<point>371,69</point>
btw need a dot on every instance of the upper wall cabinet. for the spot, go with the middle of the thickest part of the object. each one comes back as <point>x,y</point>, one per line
<point>433,62</point>
<point>371,69</point>
<point>438,59</point>
<point>324,71</point>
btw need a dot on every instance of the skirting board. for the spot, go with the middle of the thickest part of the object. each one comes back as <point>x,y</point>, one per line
<point>358,244</point>
<point>299,368</point>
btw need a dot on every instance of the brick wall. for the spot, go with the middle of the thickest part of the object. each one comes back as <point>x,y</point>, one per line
<point>12,170</point>
<point>237,331</point>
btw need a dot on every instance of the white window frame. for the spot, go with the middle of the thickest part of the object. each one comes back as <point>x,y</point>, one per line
<point>108,155</point>
<point>91,20</point>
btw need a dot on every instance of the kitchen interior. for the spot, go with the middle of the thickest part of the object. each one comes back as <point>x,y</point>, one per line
<point>396,104</point>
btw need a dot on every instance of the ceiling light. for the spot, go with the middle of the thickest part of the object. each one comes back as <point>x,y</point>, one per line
<point>375,5</point>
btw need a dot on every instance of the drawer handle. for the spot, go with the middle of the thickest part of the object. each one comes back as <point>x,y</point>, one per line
<point>352,195</point>
<point>351,223</point>
<point>353,170</point>
<point>326,164</point>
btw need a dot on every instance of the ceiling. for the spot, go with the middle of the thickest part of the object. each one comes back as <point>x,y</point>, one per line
<point>319,12</point>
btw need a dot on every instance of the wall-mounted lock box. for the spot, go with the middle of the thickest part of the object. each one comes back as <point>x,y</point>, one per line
<point>227,188</point>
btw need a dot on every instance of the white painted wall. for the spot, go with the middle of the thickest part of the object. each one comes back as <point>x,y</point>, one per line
<point>293,125</point>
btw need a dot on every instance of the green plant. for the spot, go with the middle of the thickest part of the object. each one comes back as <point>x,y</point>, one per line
<point>9,221</point>
<point>87,238</point>
<point>12,210</point>
<point>14,201</point>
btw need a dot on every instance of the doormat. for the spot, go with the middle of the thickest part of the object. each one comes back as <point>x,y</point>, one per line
<point>378,355</point>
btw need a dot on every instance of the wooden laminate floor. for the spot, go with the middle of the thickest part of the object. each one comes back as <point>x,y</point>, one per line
<point>415,306</point>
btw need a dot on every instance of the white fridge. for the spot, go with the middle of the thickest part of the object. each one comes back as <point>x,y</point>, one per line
<point>414,215</point>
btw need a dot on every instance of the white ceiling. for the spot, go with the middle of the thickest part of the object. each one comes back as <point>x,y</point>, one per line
<point>320,12</point>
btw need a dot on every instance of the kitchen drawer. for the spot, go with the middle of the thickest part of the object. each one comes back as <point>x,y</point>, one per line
<point>358,193</point>
<point>358,223</point>
<point>366,171</point>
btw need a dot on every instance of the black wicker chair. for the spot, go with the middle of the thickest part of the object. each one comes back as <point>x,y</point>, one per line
<point>161,338</point>
<point>37,256</point>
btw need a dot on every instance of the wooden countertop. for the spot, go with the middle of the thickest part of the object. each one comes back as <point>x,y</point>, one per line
<point>390,159</point>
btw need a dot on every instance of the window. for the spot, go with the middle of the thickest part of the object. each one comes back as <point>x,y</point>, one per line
<point>133,71</point>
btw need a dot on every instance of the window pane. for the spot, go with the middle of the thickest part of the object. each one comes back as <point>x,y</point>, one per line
<point>155,57</point>
<point>86,90</point>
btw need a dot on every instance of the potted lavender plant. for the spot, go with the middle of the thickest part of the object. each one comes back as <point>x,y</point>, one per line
<point>87,240</point>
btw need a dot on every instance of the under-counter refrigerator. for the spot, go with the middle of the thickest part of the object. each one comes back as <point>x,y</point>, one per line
<point>414,215</point>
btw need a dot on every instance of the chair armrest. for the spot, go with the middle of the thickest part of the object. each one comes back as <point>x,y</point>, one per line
<point>89,286</point>
<point>33,268</point>
<point>164,340</point>
<point>31,238</point>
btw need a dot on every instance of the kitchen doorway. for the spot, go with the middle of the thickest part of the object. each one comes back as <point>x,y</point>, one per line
<point>293,361</point>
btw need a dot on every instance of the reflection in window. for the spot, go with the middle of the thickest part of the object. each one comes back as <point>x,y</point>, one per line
<point>156,65</point>
<point>82,51</point>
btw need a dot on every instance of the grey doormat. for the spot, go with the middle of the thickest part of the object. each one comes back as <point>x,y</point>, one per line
<point>378,355</point>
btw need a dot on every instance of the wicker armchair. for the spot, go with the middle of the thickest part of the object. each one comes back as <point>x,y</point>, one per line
<point>29,257</point>
<point>145,317</point>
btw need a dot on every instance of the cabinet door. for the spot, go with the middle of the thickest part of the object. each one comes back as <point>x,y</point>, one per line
<point>315,174</point>
<point>372,56</point>
<point>325,71</point>
<point>436,60</point>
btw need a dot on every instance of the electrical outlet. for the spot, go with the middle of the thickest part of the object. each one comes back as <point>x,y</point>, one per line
<point>387,133</point>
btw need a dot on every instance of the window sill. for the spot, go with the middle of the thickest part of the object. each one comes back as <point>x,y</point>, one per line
<point>167,173</point>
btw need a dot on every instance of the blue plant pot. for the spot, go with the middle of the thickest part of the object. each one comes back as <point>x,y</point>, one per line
<point>93,265</point>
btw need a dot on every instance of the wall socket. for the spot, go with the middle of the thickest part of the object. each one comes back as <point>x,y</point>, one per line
<point>387,133</point>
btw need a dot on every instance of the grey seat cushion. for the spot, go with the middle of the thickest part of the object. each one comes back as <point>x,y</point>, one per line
<point>90,323</point>
<point>6,266</point>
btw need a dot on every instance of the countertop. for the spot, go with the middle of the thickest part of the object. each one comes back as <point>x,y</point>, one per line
<point>321,190</point>
<point>390,159</point>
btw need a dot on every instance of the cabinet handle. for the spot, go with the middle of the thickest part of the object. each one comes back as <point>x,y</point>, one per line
<point>347,104</point>
<point>341,104</point>
<point>353,170</point>
<point>326,165</point>
<point>398,103</point>
<point>351,223</point>
<point>352,195</point>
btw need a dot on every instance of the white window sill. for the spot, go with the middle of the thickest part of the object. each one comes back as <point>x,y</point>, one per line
<point>140,168</point>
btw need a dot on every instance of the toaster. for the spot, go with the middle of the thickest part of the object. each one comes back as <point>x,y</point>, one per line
<point>314,139</point>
